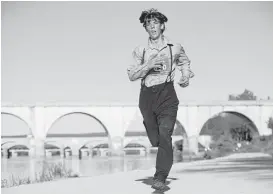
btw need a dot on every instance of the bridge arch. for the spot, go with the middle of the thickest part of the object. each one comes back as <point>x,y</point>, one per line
<point>2,144</point>
<point>179,129</point>
<point>18,146</point>
<point>222,120</point>
<point>23,150</point>
<point>27,123</point>
<point>101,145</point>
<point>135,147</point>
<point>78,112</point>
<point>10,144</point>
<point>236,113</point>
<point>55,143</point>
<point>93,143</point>
<point>144,143</point>
<point>249,121</point>
<point>179,137</point>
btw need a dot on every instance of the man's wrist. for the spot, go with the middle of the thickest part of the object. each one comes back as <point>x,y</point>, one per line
<point>184,78</point>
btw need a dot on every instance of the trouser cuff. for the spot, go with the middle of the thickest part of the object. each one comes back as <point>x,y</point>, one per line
<point>160,177</point>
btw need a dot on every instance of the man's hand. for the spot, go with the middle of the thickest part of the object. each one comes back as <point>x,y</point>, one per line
<point>183,82</point>
<point>155,62</point>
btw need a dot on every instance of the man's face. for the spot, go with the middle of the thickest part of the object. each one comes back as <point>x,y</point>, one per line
<point>153,27</point>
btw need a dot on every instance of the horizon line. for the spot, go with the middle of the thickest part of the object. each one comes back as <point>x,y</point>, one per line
<point>116,104</point>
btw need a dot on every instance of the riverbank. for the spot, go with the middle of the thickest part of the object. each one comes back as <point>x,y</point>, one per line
<point>245,173</point>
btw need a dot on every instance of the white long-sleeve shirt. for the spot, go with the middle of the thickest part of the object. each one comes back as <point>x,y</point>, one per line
<point>180,60</point>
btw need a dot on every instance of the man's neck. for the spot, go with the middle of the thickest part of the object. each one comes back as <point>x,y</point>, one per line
<point>157,43</point>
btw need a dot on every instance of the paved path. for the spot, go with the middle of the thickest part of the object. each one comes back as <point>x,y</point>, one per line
<point>235,174</point>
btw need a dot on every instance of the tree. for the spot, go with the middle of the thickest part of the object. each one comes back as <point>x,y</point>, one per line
<point>270,124</point>
<point>246,95</point>
<point>241,133</point>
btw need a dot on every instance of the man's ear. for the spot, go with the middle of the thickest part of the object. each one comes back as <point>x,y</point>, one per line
<point>162,26</point>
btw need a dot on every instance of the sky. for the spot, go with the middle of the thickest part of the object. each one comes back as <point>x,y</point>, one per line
<point>79,51</point>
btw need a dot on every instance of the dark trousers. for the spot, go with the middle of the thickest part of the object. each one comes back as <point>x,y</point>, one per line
<point>158,105</point>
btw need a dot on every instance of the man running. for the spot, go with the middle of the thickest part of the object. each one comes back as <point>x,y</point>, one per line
<point>155,65</point>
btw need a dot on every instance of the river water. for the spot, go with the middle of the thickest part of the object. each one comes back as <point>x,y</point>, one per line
<point>90,166</point>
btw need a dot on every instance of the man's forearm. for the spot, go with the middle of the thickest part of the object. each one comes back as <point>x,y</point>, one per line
<point>138,72</point>
<point>185,70</point>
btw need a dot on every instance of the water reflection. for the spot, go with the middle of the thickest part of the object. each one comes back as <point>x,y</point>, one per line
<point>88,166</point>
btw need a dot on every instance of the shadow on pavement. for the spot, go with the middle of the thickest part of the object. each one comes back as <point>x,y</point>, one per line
<point>149,181</point>
<point>260,168</point>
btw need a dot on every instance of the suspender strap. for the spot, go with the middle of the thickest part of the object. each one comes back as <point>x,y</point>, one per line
<point>170,73</point>
<point>142,62</point>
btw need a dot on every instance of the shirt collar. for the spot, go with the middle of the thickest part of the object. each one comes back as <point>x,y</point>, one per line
<point>165,43</point>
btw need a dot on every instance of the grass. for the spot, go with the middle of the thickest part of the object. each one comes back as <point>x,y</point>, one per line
<point>263,144</point>
<point>49,172</point>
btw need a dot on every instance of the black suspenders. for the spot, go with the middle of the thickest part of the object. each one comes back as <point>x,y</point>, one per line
<point>170,73</point>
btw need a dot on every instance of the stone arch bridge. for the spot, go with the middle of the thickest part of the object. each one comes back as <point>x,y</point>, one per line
<point>115,119</point>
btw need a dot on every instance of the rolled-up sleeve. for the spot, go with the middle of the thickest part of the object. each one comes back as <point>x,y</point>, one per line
<point>137,69</point>
<point>183,63</point>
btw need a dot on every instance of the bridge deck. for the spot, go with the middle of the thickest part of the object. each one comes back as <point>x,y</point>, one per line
<point>95,104</point>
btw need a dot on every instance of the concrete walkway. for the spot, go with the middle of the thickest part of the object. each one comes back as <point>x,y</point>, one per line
<point>235,174</point>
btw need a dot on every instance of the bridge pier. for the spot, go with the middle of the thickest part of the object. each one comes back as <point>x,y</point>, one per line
<point>116,146</point>
<point>67,153</point>
<point>75,151</point>
<point>32,169</point>
<point>75,165</point>
<point>5,153</point>
<point>193,144</point>
<point>62,152</point>
<point>38,148</point>
<point>31,152</point>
